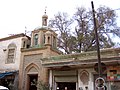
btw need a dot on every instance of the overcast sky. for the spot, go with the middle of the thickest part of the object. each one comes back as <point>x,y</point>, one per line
<point>15,15</point>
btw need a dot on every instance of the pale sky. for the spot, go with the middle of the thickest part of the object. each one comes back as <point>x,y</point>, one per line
<point>16,14</point>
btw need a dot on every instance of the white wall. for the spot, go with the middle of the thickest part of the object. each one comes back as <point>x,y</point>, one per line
<point>3,54</point>
<point>91,81</point>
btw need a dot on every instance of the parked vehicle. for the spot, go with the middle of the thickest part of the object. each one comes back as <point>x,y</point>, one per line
<point>3,88</point>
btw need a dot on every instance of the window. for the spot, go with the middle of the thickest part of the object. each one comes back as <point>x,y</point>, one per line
<point>44,21</point>
<point>48,40</point>
<point>24,44</point>
<point>44,39</point>
<point>11,53</point>
<point>36,39</point>
<point>54,42</point>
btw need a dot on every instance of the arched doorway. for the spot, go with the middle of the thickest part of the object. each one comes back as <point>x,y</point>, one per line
<point>33,81</point>
<point>32,77</point>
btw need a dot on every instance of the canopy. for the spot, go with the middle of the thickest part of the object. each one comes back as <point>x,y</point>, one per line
<point>2,75</point>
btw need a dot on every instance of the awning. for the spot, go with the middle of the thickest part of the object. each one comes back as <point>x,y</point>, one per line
<point>2,75</point>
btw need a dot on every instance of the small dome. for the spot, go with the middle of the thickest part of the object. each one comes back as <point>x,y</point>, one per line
<point>48,32</point>
<point>42,28</point>
<point>45,16</point>
<point>37,28</point>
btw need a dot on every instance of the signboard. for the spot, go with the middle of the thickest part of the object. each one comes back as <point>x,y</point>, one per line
<point>113,73</point>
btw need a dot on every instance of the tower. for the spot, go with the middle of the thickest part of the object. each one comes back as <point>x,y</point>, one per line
<point>44,19</point>
<point>44,36</point>
<point>43,45</point>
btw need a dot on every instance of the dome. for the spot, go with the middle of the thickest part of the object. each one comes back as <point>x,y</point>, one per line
<point>48,32</point>
<point>41,28</point>
<point>45,16</point>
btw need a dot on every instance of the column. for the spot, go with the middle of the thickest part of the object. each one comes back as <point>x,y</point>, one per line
<point>50,79</point>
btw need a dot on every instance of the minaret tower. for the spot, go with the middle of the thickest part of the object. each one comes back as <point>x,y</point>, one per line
<point>44,36</point>
<point>44,19</point>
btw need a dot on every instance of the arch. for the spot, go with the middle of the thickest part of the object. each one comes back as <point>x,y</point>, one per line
<point>84,76</point>
<point>36,39</point>
<point>24,42</point>
<point>48,40</point>
<point>11,52</point>
<point>84,71</point>
<point>44,38</point>
<point>30,66</point>
<point>28,74</point>
<point>54,41</point>
<point>12,45</point>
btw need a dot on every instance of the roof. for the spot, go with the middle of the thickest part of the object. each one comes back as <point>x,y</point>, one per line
<point>45,16</point>
<point>107,55</point>
<point>43,28</point>
<point>14,36</point>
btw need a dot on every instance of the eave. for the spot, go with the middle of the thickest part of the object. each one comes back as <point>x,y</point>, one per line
<point>108,56</point>
<point>32,49</point>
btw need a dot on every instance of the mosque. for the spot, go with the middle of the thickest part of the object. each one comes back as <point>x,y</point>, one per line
<point>41,61</point>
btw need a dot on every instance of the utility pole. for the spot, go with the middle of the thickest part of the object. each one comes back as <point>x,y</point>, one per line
<point>99,85</point>
<point>97,41</point>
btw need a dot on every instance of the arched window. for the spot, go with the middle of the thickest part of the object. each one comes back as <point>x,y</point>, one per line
<point>44,39</point>
<point>36,39</point>
<point>54,42</point>
<point>48,40</point>
<point>11,53</point>
<point>24,44</point>
<point>45,21</point>
<point>84,76</point>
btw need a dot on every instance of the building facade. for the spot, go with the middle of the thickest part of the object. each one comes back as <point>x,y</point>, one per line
<point>79,71</point>
<point>43,44</point>
<point>10,53</point>
<point>42,62</point>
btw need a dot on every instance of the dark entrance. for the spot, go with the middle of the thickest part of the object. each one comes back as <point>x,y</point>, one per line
<point>33,82</point>
<point>66,86</point>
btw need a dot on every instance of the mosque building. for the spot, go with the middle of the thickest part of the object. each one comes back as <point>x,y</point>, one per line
<point>43,62</point>
<point>38,63</point>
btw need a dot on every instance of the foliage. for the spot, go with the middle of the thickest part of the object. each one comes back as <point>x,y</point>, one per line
<point>106,26</point>
<point>114,87</point>
<point>62,24</point>
<point>42,86</point>
<point>82,37</point>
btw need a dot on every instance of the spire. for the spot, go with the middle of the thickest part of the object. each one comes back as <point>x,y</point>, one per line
<point>45,10</point>
<point>44,18</point>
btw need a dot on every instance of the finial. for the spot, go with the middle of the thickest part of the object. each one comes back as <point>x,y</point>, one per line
<point>25,30</point>
<point>45,9</point>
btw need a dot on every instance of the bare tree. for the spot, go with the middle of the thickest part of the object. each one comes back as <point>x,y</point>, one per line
<point>82,37</point>
<point>84,31</point>
<point>62,24</point>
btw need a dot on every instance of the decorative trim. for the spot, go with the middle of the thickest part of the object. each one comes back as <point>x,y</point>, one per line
<point>84,76</point>
<point>14,36</point>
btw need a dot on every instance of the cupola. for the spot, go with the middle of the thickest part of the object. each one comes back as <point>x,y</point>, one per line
<point>44,36</point>
<point>44,19</point>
